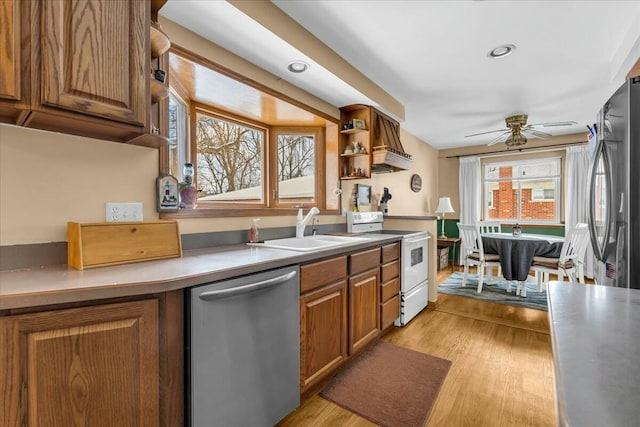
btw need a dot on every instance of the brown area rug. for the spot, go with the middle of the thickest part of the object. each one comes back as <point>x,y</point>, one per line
<point>389,385</point>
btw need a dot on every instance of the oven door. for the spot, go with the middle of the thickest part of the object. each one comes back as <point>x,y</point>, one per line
<point>414,261</point>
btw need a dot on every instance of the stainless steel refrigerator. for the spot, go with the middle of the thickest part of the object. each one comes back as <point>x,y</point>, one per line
<point>614,190</point>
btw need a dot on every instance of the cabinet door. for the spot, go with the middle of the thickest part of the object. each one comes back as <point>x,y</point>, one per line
<point>323,332</point>
<point>84,366</point>
<point>94,58</point>
<point>11,93</point>
<point>363,309</point>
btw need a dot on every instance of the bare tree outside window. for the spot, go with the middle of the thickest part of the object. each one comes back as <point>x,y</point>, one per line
<point>296,166</point>
<point>229,159</point>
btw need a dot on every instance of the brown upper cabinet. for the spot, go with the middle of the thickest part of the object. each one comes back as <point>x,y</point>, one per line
<point>369,143</point>
<point>12,103</point>
<point>85,66</point>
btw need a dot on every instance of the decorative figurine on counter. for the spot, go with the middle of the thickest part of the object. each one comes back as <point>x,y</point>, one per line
<point>188,191</point>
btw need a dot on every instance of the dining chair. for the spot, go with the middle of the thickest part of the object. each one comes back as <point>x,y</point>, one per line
<point>570,261</point>
<point>485,227</point>
<point>473,253</point>
<point>489,226</point>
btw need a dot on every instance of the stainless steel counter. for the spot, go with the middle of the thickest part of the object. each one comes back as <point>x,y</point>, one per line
<point>62,284</point>
<point>595,334</point>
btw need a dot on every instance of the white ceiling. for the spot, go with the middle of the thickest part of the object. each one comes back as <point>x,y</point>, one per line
<point>432,56</point>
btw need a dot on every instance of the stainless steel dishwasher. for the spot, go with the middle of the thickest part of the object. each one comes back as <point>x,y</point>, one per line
<point>243,350</point>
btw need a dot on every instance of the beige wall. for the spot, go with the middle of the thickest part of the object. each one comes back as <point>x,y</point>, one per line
<point>404,201</point>
<point>47,179</point>
<point>449,164</point>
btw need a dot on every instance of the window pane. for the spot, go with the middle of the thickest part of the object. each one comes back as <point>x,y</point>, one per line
<point>536,170</point>
<point>538,201</point>
<point>524,191</point>
<point>296,167</point>
<point>498,171</point>
<point>229,160</point>
<point>503,199</point>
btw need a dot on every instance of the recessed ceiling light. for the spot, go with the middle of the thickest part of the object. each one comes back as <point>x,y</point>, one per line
<point>501,51</point>
<point>298,66</point>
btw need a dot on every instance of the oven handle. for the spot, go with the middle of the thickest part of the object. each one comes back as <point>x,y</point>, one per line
<point>231,292</point>
<point>416,239</point>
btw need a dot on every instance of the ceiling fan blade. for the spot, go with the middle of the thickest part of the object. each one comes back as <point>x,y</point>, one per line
<point>567,123</point>
<point>539,134</point>
<point>484,133</point>
<point>496,140</point>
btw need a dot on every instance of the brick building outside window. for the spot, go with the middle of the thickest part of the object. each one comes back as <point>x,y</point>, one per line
<point>523,191</point>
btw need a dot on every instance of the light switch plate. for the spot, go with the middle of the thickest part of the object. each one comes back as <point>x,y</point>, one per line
<point>123,212</point>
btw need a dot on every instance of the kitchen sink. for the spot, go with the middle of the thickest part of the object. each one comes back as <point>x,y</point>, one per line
<point>309,243</point>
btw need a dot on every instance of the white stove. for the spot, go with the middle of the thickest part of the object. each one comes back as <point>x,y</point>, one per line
<point>414,284</point>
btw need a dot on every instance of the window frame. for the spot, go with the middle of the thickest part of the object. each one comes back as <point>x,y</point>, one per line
<point>270,207</point>
<point>519,179</point>
<point>319,164</point>
<point>184,153</point>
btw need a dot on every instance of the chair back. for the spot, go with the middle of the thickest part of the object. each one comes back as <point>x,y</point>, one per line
<point>471,241</point>
<point>489,227</point>
<point>575,243</point>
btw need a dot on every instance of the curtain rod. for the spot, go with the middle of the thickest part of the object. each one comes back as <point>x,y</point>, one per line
<point>519,150</point>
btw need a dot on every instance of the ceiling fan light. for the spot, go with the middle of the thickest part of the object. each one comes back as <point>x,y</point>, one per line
<point>516,140</point>
<point>501,51</point>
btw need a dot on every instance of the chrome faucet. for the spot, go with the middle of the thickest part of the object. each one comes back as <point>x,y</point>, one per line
<point>302,223</point>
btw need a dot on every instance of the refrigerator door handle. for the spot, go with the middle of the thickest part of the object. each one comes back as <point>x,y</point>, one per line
<point>600,155</point>
<point>591,211</point>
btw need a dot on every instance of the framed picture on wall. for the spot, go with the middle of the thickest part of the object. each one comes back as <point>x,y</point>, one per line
<point>359,124</point>
<point>167,193</point>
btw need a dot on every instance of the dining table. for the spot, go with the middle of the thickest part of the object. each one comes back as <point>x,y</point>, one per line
<point>517,252</point>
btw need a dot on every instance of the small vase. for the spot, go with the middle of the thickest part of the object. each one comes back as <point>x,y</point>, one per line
<point>517,230</point>
<point>188,191</point>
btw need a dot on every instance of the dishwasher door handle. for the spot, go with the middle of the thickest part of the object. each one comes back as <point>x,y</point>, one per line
<point>252,287</point>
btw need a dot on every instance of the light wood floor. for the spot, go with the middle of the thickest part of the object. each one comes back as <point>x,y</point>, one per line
<point>501,373</point>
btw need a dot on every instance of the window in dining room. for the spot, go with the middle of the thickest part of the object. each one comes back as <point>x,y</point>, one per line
<point>523,191</point>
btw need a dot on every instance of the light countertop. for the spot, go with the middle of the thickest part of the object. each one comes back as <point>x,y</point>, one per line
<point>62,284</point>
<point>595,333</point>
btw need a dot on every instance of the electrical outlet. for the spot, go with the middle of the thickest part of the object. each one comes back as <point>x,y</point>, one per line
<point>123,212</point>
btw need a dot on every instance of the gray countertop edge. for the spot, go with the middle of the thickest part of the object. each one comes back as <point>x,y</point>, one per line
<point>595,337</point>
<point>417,217</point>
<point>61,284</point>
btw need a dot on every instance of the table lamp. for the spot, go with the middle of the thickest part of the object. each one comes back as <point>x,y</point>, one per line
<point>444,207</point>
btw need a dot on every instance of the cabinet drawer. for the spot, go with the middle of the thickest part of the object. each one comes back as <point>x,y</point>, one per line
<point>390,252</point>
<point>363,261</point>
<point>389,289</point>
<point>390,270</point>
<point>389,311</point>
<point>322,273</point>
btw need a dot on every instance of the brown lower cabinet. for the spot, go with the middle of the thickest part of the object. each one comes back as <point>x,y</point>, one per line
<point>339,312</point>
<point>323,331</point>
<point>363,309</point>
<point>101,365</point>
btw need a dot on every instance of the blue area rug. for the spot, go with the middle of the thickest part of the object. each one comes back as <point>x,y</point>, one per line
<point>496,291</point>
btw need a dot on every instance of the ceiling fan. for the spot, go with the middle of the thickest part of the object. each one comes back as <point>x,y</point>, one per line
<point>517,131</point>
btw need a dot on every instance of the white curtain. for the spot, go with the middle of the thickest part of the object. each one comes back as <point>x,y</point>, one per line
<point>575,202</point>
<point>470,190</point>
